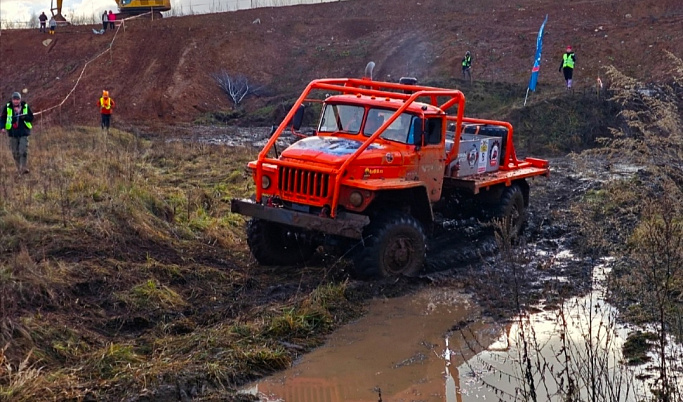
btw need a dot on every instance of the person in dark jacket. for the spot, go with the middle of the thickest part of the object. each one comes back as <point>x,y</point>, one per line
<point>16,122</point>
<point>105,20</point>
<point>567,66</point>
<point>43,20</point>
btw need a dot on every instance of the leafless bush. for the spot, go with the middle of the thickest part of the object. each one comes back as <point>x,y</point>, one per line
<point>33,22</point>
<point>643,213</point>
<point>236,86</point>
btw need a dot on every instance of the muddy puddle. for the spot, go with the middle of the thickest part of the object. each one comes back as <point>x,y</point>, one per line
<point>561,343</point>
<point>396,349</point>
<point>232,136</point>
<point>435,346</point>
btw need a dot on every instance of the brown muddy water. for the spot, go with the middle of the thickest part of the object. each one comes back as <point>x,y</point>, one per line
<point>435,346</point>
<point>396,349</point>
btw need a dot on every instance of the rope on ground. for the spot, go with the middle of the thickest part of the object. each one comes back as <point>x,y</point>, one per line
<point>85,66</point>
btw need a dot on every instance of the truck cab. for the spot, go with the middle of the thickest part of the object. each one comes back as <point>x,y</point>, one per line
<point>381,157</point>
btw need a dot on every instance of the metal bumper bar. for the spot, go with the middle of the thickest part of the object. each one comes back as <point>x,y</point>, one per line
<point>345,224</point>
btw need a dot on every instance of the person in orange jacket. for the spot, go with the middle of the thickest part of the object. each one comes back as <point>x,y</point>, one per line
<point>106,105</point>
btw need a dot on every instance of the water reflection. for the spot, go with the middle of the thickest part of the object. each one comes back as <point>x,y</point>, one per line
<point>397,352</point>
<point>566,349</point>
<point>398,349</point>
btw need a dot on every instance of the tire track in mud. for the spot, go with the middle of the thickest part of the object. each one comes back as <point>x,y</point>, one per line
<point>547,262</point>
<point>457,245</point>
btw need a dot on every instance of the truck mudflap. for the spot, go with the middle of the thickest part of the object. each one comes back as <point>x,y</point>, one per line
<point>345,224</point>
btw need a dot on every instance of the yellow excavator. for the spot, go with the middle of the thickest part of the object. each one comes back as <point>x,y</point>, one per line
<point>57,11</point>
<point>127,8</point>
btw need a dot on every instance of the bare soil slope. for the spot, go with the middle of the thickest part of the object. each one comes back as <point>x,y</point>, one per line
<point>160,71</point>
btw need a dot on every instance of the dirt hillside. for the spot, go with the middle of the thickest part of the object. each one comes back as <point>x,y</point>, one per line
<point>160,71</point>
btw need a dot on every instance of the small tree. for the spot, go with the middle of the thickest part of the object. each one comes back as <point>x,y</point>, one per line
<point>236,86</point>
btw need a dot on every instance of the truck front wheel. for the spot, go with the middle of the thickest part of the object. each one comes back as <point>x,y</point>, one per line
<point>394,245</point>
<point>275,244</point>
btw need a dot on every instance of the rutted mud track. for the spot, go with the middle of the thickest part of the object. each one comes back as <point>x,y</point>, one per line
<point>462,249</point>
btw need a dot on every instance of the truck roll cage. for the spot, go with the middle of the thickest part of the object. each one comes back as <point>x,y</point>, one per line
<point>376,89</point>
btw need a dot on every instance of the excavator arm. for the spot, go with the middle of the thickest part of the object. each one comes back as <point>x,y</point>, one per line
<point>56,10</point>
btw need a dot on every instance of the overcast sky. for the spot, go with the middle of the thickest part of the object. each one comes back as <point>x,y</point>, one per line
<point>21,10</point>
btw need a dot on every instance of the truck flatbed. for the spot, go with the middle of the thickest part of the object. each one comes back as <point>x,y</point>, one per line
<point>530,167</point>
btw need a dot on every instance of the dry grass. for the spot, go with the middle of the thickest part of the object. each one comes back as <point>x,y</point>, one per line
<point>122,269</point>
<point>637,217</point>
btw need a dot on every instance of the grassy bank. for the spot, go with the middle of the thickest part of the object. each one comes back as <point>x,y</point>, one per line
<point>123,273</point>
<point>636,215</point>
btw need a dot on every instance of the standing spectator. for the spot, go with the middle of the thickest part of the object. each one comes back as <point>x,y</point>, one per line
<point>105,20</point>
<point>106,104</point>
<point>17,118</point>
<point>53,25</point>
<point>567,66</point>
<point>43,19</point>
<point>112,18</point>
<point>467,66</point>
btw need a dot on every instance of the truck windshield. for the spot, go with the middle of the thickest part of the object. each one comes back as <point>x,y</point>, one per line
<point>399,130</point>
<point>346,118</point>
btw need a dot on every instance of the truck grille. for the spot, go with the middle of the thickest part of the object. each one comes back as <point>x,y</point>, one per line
<point>303,184</point>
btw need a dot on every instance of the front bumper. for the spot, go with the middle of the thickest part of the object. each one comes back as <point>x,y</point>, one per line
<point>345,224</point>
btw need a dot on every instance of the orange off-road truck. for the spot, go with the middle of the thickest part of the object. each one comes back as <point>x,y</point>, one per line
<point>383,156</point>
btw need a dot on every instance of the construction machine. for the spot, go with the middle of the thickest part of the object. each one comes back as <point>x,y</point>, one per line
<point>56,10</point>
<point>129,8</point>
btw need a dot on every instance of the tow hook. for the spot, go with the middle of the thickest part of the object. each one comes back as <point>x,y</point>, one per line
<point>325,212</point>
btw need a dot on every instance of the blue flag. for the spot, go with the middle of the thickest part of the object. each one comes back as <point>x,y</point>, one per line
<point>537,60</point>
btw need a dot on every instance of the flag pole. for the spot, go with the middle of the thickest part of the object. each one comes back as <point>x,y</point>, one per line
<point>537,61</point>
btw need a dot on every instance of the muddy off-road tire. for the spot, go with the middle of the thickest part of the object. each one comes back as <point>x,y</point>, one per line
<point>395,245</point>
<point>512,211</point>
<point>275,244</point>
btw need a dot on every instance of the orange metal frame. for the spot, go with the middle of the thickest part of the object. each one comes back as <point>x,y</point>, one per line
<point>512,169</point>
<point>362,87</point>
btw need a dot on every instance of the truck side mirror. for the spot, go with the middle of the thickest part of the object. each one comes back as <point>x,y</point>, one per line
<point>298,118</point>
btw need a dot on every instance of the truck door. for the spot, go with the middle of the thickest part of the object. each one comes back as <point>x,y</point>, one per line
<point>431,154</point>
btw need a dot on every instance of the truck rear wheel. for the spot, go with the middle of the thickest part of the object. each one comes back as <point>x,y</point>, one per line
<point>512,211</point>
<point>275,244</point>
<point>394,245</point>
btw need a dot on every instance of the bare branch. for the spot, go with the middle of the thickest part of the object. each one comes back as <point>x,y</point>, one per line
<point>236,86</point>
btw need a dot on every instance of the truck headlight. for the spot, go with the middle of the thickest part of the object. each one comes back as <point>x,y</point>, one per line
<point>356,199</point>
<point>265,182</point>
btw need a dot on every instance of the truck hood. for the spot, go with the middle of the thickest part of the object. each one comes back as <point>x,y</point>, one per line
<point>332,150</point>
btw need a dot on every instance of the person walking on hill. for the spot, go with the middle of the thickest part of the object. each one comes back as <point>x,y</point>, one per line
<point>16,119</point>
<point>53,25</point>
<point>43,19</point>
<point>467,66</point>
<point>106,104</point>
<point>105,20</point>
<point>567,66</point>
<point>111,17</point>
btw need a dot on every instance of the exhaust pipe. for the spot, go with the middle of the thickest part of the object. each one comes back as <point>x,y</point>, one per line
<point>368,71</point>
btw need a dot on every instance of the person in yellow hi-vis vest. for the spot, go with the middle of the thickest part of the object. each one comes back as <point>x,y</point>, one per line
<point>567,66</point>
<point>16,122</point>
<point>106,105</point>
